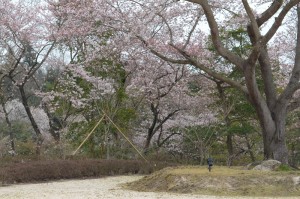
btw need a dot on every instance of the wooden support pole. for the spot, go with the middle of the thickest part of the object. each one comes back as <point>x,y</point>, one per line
<point>87,137</point>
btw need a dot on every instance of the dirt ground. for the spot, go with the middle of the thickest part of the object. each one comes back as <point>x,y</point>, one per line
<point>106,188</point>
<point>222,181</point>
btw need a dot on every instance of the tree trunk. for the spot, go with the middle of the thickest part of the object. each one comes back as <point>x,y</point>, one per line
<point>229,144</point>
<point>252,156</point>
<point>39,139</point>
<point>271,117</point>
<point>275,137</point>
<point>54,130</point>
<point>11,133</point>
<point>275,147</point>
<point>147,143</point>
<point>151,129</point>
<point>226,111</point>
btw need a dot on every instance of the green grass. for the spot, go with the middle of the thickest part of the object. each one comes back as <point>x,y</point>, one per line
<point>285,167</point>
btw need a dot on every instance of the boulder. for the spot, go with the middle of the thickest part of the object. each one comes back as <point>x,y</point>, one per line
<point>268,165</point>
<point>296,180</point>
<point>251,165</point>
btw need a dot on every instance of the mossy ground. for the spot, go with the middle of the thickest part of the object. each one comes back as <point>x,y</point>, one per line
<point>221,181</point>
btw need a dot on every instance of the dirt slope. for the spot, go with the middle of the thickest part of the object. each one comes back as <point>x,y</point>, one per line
<point>221,181</point>
<point>103,188</point>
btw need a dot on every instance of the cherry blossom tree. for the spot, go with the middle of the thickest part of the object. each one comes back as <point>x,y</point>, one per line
<point>26,42</point>
<point>237,115</point>
<point>165,102</point>
<point>167,25</point>
<point>3,100</point>
<point>178,32</point>
<point>151,89</point>
<point>92,78</point>
<point>94,48</point>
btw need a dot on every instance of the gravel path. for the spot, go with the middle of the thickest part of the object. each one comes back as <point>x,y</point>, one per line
<point>103,188</point>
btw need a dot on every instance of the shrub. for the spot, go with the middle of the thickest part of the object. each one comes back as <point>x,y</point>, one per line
<point>284,167</point>
<point>44,170</point>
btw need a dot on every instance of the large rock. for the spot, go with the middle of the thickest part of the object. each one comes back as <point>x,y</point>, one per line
<point>296,180</point>
<point>251,165</point>
<point>268,165</point>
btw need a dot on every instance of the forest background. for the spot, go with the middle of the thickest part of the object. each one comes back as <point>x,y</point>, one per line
<point>165,80</point>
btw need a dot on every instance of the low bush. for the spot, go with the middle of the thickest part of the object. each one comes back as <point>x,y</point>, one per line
<point>45,170</point>
<point>284,167</point>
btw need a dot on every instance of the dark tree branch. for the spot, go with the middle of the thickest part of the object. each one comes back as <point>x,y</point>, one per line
<point>161,143</point>
<point>293,84</point>
<point>278,21</point>
<point>166,119</point>
<point>267,14</point>
<point>210,72</point>
<point>192,31</point>
<point>37,66</point>
<point>252,18</point>
<point>175,61</point>
<point>215,34</point>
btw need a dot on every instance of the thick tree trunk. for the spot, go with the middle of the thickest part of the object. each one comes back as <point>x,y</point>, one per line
<point>272,118</point>
<point>274,136</point>
<point>275,142</point>
<point>39,139</point>
<point>276,149</point>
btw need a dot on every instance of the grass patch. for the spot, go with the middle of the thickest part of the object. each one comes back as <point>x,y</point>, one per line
<point>221,181</point>
<point>284,167</point>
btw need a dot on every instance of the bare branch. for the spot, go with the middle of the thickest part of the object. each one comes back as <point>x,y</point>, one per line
<point>252,18</point>
<point>210,72</point>
<point>264,60</point>
<point>266,15</point>
<point>171,114</point>
<point>38,65</point>
<point>233,58</point>
<point>192,31</point>
<point>266,71</point>
<point>294,84</point>
<point>278,20</point>
<point>161,143</point>
<point>255,53</point>
<point>175,61</point>
<point>17,61</point>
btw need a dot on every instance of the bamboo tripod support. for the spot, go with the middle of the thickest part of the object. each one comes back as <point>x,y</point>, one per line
<point>120,131</point>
